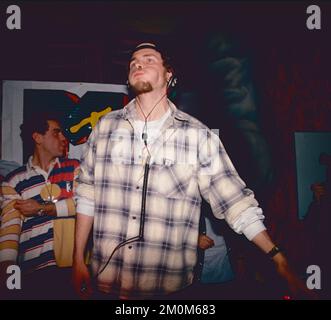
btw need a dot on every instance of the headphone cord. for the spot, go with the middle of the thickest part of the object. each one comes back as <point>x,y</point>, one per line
<point>140,237</point>
<point>144,132</point>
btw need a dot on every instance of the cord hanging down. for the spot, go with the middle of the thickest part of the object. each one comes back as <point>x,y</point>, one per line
<point>140,237</point>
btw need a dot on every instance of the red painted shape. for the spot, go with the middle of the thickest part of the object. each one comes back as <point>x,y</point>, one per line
<point>74,98</point>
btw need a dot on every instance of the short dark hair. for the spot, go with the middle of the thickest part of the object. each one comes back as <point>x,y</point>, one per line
<point>35,122</point>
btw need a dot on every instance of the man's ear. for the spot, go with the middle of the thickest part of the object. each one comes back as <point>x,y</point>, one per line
<point>37,137</point>
<point>169,76</point>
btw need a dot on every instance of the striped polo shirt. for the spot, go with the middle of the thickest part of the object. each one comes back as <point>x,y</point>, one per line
<point>29,240</point>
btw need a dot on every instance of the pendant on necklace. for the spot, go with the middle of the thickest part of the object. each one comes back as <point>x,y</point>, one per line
<point>50,192</point>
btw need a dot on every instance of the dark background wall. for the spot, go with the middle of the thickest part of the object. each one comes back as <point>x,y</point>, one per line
<point>287,65</point>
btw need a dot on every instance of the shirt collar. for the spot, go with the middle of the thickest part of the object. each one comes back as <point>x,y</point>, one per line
<point>30,166</point>
<point>129,112</point>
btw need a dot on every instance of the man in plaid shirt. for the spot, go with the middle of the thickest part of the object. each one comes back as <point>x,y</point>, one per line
<point>144,172</point>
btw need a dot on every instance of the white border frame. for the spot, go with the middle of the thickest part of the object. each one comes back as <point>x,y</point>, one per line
<point>12,109</point>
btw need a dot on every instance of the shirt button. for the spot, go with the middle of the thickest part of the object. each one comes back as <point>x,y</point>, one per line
<point>134,218</point>
<point>130,247</point>
<point>137,187</point>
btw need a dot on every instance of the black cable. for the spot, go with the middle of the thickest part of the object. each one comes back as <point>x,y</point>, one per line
<point>143,201</point>
<point>140,237</point>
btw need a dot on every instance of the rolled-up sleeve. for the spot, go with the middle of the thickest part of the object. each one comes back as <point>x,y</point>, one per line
<point>250,222</point>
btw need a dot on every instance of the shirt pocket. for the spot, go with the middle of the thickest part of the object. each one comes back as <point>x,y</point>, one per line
<point>172,179</point>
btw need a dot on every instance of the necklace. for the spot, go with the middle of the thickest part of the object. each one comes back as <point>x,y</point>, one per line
<point>50,195</point>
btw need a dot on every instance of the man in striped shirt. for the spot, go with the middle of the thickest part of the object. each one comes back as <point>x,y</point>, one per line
<point>35,201</point>
<point>143,173</point>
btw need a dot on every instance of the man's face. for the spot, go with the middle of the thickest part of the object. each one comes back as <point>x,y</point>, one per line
<point>147,71</point>
<point>53,141</point>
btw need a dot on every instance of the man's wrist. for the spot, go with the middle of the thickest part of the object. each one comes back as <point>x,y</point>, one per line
<point>44,208</point>
<point>78,259</point>
<point>279,259</point>
<point>273,252</point>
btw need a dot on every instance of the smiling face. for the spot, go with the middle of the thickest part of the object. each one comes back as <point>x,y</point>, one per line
<point>147,71</point>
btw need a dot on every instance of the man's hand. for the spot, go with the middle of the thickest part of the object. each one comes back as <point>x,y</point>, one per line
<point>297,288</point>
<point>28,208</point>
<point>204,242</point>
<point>81,280</point>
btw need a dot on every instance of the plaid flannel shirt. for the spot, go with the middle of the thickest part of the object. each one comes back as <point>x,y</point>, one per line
<point>188,161</point>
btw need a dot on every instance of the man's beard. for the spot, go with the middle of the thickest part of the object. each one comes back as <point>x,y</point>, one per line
<point>142,87</point>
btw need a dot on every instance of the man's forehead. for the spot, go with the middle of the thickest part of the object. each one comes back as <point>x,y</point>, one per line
<point>145,52</point>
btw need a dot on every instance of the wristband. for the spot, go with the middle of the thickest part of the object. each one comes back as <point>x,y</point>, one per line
<point>41,212</point>
<point>273,252</point>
